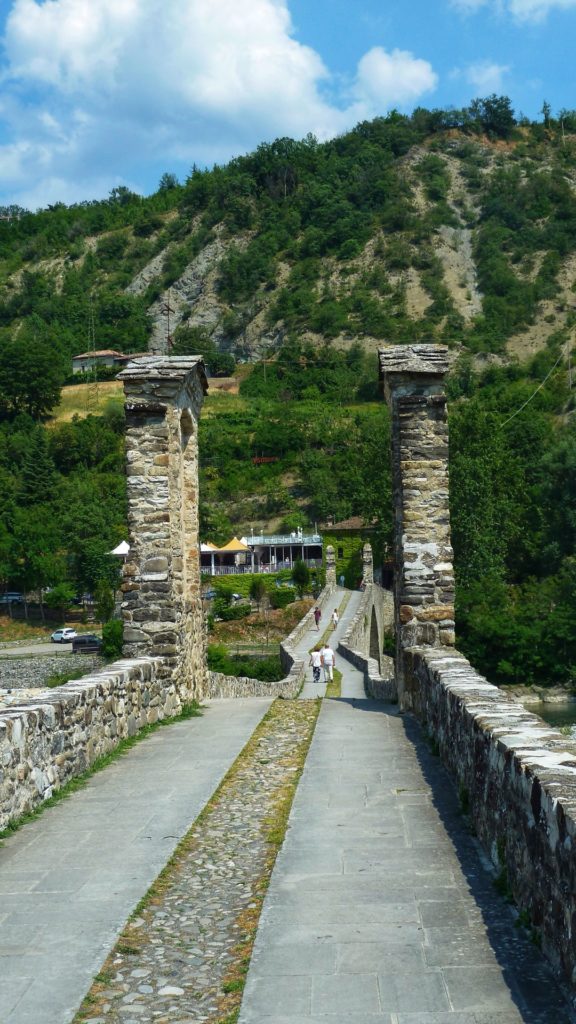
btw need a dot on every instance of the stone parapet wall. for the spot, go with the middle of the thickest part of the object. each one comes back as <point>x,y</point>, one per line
<point>242,686</point>
<point>517,779</point>
<point>23,672</point>
<point>380,684</point>
<point>306,624</point>
<point>294,665</point>
<point>375,600</point>
<point>51,736</point>
<point>379,674</point>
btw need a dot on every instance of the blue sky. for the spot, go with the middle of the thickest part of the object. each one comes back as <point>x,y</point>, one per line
<point>98,93</point>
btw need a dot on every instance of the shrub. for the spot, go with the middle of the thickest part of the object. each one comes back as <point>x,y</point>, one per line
<point>112,638</point>
<point>281,598</point>
<point>267,669</point>
<point>230,612</point>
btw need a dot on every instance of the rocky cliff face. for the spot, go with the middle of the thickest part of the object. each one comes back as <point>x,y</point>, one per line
<point>430,245</point>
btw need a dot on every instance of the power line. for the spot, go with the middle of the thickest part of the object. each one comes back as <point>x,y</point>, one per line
<point>539,388</point>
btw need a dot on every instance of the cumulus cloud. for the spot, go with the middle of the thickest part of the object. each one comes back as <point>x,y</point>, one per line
<point>97,86</point>
<point>396,77</point>
<point>486,76</point>
<point>521,10</point>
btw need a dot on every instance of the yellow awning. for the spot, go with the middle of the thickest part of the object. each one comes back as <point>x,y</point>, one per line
<point>235,545</point>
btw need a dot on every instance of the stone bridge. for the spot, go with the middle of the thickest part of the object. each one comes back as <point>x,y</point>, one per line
<point>516,778</point>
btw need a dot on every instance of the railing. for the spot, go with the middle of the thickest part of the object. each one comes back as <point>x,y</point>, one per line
<point>284,539</point>
<point>239,570</point>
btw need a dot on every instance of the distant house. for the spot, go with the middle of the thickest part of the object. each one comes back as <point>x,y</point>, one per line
<point>103,357</point>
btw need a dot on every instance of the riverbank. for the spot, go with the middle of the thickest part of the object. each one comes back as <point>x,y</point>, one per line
<point>529,695</point>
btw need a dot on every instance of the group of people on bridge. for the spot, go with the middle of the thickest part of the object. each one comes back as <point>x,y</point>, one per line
<point>322,657</point>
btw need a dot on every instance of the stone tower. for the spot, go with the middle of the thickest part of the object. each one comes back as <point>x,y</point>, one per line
<point>162,608</point>
<point>413,380</point>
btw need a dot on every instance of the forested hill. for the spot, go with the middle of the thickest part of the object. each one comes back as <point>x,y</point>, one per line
<point>457,226</point>
<point>301,258</point>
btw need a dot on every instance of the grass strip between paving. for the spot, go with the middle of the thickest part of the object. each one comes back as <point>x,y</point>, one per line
<point>334,688</point>
<point>190,938</point>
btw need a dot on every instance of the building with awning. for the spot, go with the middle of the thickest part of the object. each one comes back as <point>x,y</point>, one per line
<point>261,553</point>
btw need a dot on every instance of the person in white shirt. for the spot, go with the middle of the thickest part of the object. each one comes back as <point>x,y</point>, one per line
<point>316,662</point>
<point>335,618</point>
<point>329,663</point>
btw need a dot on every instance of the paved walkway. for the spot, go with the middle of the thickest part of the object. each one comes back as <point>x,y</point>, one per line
<point>379,910</point>
<point>70,879</point>
<point>352,680</point>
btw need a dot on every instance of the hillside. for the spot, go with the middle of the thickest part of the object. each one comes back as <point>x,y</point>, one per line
<point>457,227</point>
<point>403,229</point>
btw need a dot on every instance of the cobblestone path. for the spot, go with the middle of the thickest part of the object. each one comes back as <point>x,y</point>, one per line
<point>182,960</point>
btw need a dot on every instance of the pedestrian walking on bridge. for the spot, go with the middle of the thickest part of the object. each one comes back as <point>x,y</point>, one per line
<point>329,663</point>
<point>315,662</point>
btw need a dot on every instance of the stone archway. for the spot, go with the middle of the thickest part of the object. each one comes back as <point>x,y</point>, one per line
<point>375,648</point>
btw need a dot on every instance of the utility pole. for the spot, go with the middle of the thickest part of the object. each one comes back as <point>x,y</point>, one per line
<point>92,395</point>
<point>167,310</point>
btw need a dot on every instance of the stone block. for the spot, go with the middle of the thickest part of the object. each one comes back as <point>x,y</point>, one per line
<point>155,564</point>
<point>132,635</point>
<point>447,637</point>
<point>435,613</point>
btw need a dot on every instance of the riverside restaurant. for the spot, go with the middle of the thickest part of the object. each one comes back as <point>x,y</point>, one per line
<point>261,553</point>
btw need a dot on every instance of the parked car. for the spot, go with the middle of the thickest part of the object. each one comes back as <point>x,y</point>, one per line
<point>11,597</point>
<point>63,636</point>
<point>209,595</point>
<point>86,643</point>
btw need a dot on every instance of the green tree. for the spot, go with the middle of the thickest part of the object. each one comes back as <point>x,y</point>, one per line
<point>31,376</point>
<point>257,590</point>
<point>38,476</point>
<point>301,577</point>
<point>167,182</point>
<point>104,596</point>
<point>495,115</point>
<point>60,598</point>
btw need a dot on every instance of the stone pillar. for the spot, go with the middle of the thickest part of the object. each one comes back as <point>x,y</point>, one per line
<point>367,565</point>
<point>330,566</point>
<point>162,608</point>
<point>413,379</point>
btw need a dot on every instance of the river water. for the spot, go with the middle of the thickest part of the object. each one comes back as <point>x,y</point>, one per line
<point>558,715</point>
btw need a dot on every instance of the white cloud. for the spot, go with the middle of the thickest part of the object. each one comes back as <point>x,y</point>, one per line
<point>92,87</point>
<point>537,10</point>
<point>396,77</point>
<point>521,10</point>
<point>486,76</point>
